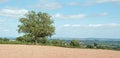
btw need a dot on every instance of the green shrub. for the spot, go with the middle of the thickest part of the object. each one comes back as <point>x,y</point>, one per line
<point>44,41</point>
<point>89,46</point>
<point>75,43</point>
<point>25,38</point>
<point>4,39</point>
<point>56,42</point>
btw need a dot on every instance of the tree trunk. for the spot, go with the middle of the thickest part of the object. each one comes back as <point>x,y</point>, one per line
<point>36,41</point>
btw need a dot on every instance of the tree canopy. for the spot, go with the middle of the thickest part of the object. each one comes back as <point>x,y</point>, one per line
<point>37,25</point>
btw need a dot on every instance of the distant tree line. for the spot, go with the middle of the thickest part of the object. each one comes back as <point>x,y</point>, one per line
<point>46,41</point>
<point>70,44</point>
<point>57,42</point>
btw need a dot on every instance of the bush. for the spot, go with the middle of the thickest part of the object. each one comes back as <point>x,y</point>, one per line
<point>89,46</point>
<point>75,43</point>
<point>25,38</point>
<point>20,38</point>
<point>57,42</point>
<point>44,41</point>
<point>104,47</point>
<point>95,45</point>
<point>4,39</point>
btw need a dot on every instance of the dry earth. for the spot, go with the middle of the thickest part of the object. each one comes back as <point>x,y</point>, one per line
<point>31,51</point>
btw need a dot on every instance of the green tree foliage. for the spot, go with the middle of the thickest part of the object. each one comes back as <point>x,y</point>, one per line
<point>95,45</point>
<point>56,42</point>
<point>89,46</point>
<point>75,43</point>
<point>4,39</point>
<point>37,25</point>
<point>44,40</point>
<point>25,38</point>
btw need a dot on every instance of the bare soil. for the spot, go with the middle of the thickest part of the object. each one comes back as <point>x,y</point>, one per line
<point>35,51</point>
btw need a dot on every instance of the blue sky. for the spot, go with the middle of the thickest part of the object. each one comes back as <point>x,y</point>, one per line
<point>72,18</point>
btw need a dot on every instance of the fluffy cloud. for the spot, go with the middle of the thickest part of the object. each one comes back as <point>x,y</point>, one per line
<point>78,16</point>
<point>91,2</point>
<point>12,12</point>
<point>103,1</point>
<point>99,2</point>
<point>69,25</point>
<point>3,1</point>
<point>52,6</point>
<point>72,16</point>
<point>92,25</point>
<point>47,5</point>
<point>100,14</point>
<point>73,4</point>
<point>111,30</point>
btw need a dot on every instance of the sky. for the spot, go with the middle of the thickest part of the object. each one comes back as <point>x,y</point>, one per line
<point>72,18</point>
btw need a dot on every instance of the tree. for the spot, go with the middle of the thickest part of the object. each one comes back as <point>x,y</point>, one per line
<point>89,46</point>
<point>95,45</point>
<point>75,43</point>
<point>56,42</point>
<point>37,25</point>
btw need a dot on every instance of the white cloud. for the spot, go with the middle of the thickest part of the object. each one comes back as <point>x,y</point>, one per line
<point>113,25</point>
<point>77,16</point>
<point>73,4</point>
<point>104,1</point>
<point>92,2</point>
<point>71,16</point>
<point>99,2</point>
<point>12,12</point>
<point>3,1</point>
<point>70,25</point>
<point>52,6</point>
<point>100,14</point>
<point>6,30</point>
<point>92,25</point>
<point>47,5</point>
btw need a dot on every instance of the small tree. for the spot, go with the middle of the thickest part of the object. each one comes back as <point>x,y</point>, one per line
<point>89,46</point>
<point>44,41</point>
<point>95,45</point>
<point>75,43</point>
<point>57,42</point>
<point>37,25</point>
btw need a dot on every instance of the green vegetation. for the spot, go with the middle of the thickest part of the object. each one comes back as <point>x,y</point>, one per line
<point>25,38</point>
<point>74,43</point>
<point>57,42</point>
<point>7,41</point>
<point>62,43</point>
<point>36,25</point>
<point>44,41</point>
